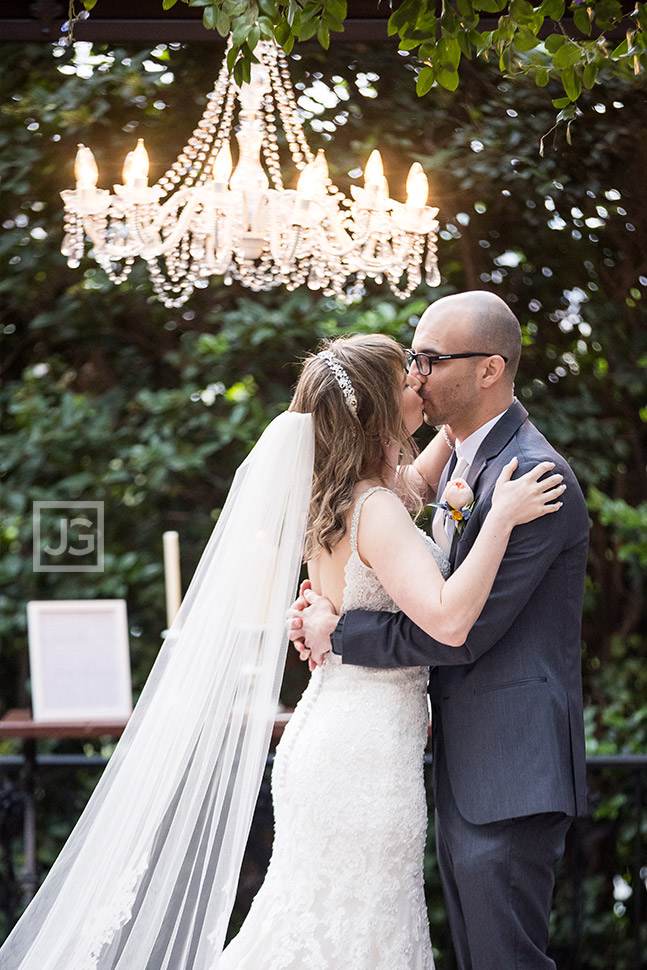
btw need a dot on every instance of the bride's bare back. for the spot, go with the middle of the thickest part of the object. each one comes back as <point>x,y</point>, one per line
<point>327,571</point>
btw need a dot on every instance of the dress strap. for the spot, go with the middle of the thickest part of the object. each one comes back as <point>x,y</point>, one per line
<point>354,526</point>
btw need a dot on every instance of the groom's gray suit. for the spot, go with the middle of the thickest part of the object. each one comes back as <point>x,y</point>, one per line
<point>508,738</point>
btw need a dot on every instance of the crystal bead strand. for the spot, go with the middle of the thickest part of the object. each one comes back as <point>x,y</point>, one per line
<point>223,132</point>
<point>271,145</point>
<point>288,110</point>
<point>432,273</point>
<point>184,168</point>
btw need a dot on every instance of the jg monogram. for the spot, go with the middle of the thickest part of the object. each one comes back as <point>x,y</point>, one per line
<point>68,534</point>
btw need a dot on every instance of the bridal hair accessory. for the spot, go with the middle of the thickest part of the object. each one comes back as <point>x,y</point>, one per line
<point>458,503</point>
<point>342,379</point>
<point>148,876</point>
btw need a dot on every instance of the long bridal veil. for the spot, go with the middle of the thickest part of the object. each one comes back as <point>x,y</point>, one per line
<point>147,879</point>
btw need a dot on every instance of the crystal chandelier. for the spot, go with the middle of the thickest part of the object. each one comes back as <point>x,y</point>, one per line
<point>202,219</point>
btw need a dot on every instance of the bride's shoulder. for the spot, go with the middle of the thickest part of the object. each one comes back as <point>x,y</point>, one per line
<point>380,506</point>
<point>385,528</point>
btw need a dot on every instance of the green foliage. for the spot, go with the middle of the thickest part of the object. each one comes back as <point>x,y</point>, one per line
<point>444,37</point>
<point>628,527</point>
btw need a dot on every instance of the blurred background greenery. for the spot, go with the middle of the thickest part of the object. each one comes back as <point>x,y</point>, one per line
<point>108,396</point>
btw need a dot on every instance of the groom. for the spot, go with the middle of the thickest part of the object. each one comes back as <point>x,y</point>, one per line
<point>508,738</point>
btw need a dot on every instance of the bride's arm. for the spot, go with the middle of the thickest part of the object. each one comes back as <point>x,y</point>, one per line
<point>447,609</point>
<point>425,471</point>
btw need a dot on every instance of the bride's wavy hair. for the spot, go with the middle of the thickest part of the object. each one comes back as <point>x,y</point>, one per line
<point>350,445</point>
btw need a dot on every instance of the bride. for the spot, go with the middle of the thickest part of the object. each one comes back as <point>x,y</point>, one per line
<point>148,877</point>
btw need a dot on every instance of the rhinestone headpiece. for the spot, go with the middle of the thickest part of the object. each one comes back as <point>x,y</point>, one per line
<point>342,379</point>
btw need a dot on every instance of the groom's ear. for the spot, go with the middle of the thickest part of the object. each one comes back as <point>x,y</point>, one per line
<point>491,370</point>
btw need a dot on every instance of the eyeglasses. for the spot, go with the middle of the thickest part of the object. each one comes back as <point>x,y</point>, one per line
<point>424,362</point>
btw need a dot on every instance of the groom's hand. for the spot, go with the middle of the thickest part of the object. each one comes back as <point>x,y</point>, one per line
<point>311,620</point>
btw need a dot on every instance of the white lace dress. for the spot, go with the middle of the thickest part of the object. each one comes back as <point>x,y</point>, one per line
<point>344,888</point>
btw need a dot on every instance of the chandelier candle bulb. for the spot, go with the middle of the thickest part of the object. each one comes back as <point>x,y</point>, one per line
<point>86,172</point>
<point>308,183</point>
<point>321,167</point>
<point>373,175</point>
<point>136,165</point>
<point>417,187</point>
<point>374,170</point>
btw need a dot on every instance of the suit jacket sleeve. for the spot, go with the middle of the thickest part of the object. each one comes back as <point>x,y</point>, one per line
<point>383,639</point>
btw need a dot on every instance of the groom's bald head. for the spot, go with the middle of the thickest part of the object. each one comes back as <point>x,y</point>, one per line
<point>466,391</point>
<point>482,322</point>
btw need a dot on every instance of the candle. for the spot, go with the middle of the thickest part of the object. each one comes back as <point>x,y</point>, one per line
<point>172,575</point>
<point>417,187</point>
<point>135,173</point>
<point>87,175</point>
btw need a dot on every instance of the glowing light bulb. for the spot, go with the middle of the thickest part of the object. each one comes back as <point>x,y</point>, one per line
<point>382,188</point>
<point>374,170</point>
<point>417,186</point>
<point>307,184</point>
<point>136,165</point>
<point>321,166</point>
<point>86,172</point>
<point>223,164</point>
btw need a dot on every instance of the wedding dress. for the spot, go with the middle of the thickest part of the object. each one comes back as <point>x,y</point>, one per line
<point>344,889</point>
<point>147,879</point>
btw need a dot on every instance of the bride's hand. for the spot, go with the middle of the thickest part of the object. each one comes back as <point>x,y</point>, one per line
<point>311,620</point>
<point>526,498</point>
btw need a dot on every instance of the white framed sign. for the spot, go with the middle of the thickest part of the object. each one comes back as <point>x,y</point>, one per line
<point>79,660</point>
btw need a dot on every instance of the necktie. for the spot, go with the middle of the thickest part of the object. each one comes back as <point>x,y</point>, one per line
<point>442,529</point>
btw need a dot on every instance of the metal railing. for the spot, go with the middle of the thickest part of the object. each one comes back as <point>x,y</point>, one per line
<point>630,771</point>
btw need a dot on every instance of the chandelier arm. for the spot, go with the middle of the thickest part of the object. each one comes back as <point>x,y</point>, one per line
<point>342,252</point>
<point>407,253</point>
<point>161,245</point>
<point>345,248</point>
<point>289,199</point>
<point>190,201</point>
<point>105,251</point>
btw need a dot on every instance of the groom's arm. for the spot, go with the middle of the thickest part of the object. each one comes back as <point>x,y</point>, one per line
<point>391,639</point>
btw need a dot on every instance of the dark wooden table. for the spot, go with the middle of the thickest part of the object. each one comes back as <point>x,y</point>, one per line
<point>19,724</point>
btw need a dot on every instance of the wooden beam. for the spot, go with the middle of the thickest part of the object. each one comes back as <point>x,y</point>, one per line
<point>159,30</point>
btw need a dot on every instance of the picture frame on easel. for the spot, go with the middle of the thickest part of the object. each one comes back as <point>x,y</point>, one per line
<point>79,659</point>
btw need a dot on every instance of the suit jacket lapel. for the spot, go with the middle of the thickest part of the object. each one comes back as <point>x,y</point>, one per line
<point>505,429</point>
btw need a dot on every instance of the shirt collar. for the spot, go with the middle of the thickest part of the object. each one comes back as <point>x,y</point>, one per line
<point>467,449</point>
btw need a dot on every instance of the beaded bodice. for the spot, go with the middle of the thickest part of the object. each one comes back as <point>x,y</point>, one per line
<point>363,590</point>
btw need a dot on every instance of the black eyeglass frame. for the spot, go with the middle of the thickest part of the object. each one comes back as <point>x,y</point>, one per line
<point>436,358</point>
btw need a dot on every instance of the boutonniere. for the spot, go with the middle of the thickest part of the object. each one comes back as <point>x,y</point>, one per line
<point>457,504</point>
